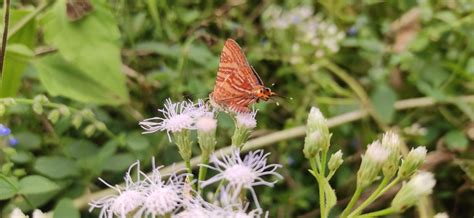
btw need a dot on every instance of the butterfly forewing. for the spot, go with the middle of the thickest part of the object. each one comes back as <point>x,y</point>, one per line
<point>236,79</point>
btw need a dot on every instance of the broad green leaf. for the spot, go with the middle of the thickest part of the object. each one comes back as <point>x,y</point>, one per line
<point>28,141</point>
<point>8,187</point>
<point>65,208</point>
<point>17,58</point>
<point>22,157</point>
<point>119,162</point>
<point>456,140</point>
<point>35,184</point>
<point>18,53</point>
<point>81,149</point>
<point>56,167</point>
<point>91,47</point>
<point>62,78</point>
<point>384,99</point>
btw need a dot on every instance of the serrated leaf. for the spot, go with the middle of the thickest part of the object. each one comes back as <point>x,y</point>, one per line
<point>56,167</point>
<point>35,184</point>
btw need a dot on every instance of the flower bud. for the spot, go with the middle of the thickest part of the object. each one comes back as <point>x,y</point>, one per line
<point>372,163</point>
<point>89,130</point>
<point>206,129</point>
<point>441,215</point>
<point>419,186</point>
<point>412,162</point>
<point>335,161</point>
<point>77,121</point>
<point>53,116</point>
<point>317,134</point>
<point>17,213</point>
<point>392,143</point>
<point>244,123</point>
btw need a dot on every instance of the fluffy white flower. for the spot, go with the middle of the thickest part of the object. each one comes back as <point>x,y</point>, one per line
<point>176,117</point>
<point>420,185</point>
<point>17,213</point>
<point>376,152</point>
<point>126,200</point>
<point>247,120</point>
<point>441,215</point>
<point>206,124</point>
<point>161,197</point>
<point>245,173</point>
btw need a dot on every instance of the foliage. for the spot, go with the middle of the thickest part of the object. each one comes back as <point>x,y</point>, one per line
<point>73,91</point>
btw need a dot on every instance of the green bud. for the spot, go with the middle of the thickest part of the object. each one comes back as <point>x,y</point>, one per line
<point>38,108</point>
<point>412,162</point>
<point>7,168</point>
<point>206,129</point>
<point>392,143</point>
<point>77,121</point>
<point>335,161</point>
<point>41,99</point>
<point>317,134</point>
<point>19,172</point>
<point>100,126</point>
<point>88,114</point>
<point>2,110</point>
<point>64,110</point>
<point>419,186</point>
<point>9,101</point>
<point>184,143</point>
<point>89,130</point>
<point>372,163</point>
<point>53,116</point>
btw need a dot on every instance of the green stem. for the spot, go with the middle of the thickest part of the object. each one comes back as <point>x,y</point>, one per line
<point>6,21</point>
<point>20,24</point>
<point>322,196</point>
<point>378,213</point>
<point>351,204</point>
<point>202,170</point>
<point>371,198</point>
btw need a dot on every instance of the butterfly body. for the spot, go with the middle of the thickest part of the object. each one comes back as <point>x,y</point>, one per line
<point>237,84</point>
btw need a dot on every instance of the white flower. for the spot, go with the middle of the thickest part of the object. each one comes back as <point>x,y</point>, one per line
<point>245,173</point>
<point>176,117</point>
<point>127,200</point>
<point>420,185</point>
<point>17,213</point>
<point>38,214</point>
<point>247,120</point>
<point>161,197</point>
<point>376,152</point>
<point>419,153</point>
<point>206,124</point>
<point>441,215</point>
<point>202,109</point>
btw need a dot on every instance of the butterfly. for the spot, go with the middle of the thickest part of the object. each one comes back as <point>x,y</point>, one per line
<point>77,9</point>
<point>237,84</point>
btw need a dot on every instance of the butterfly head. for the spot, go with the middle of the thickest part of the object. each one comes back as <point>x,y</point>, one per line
<point>263,93</point>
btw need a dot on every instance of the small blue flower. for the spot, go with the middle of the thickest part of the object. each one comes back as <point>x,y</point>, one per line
<point>352,31</point>
<point>12,141</point>
<point>4,131</point>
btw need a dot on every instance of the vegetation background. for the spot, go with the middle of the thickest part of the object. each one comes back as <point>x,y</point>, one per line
<point>75,85</point>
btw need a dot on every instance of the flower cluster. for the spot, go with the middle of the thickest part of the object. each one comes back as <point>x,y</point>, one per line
<point>6,132</point>
<point>17,213</point>
<point>151,195</point>
<point>311,33</point>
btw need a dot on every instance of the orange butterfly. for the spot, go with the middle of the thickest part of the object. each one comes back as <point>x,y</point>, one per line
<point>238,84</point>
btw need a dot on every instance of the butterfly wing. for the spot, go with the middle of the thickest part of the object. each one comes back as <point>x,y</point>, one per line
<point>236,79</point>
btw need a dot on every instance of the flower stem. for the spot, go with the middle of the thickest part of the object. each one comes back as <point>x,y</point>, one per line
<point>376,194</point>
<point>351,204</point>
<point>6,19</point>
<point>378,213</point>
<point>202,170</point>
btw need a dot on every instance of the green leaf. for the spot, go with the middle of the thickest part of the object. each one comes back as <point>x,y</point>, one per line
<point>329,194</point>
<point>36,185</point>
<point>65,208</point>
<point>28,141</point>
<point>119,162</point>
<point>56,167</point>
<point>456,140</point>
<point>81,149</point>
<point>137,142</point>
<point>8,187</point>
<point>22,157</point>
<point>91,50</point>
<point>62,78</point>
<point>384,99</point>
<point>16,59</point>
